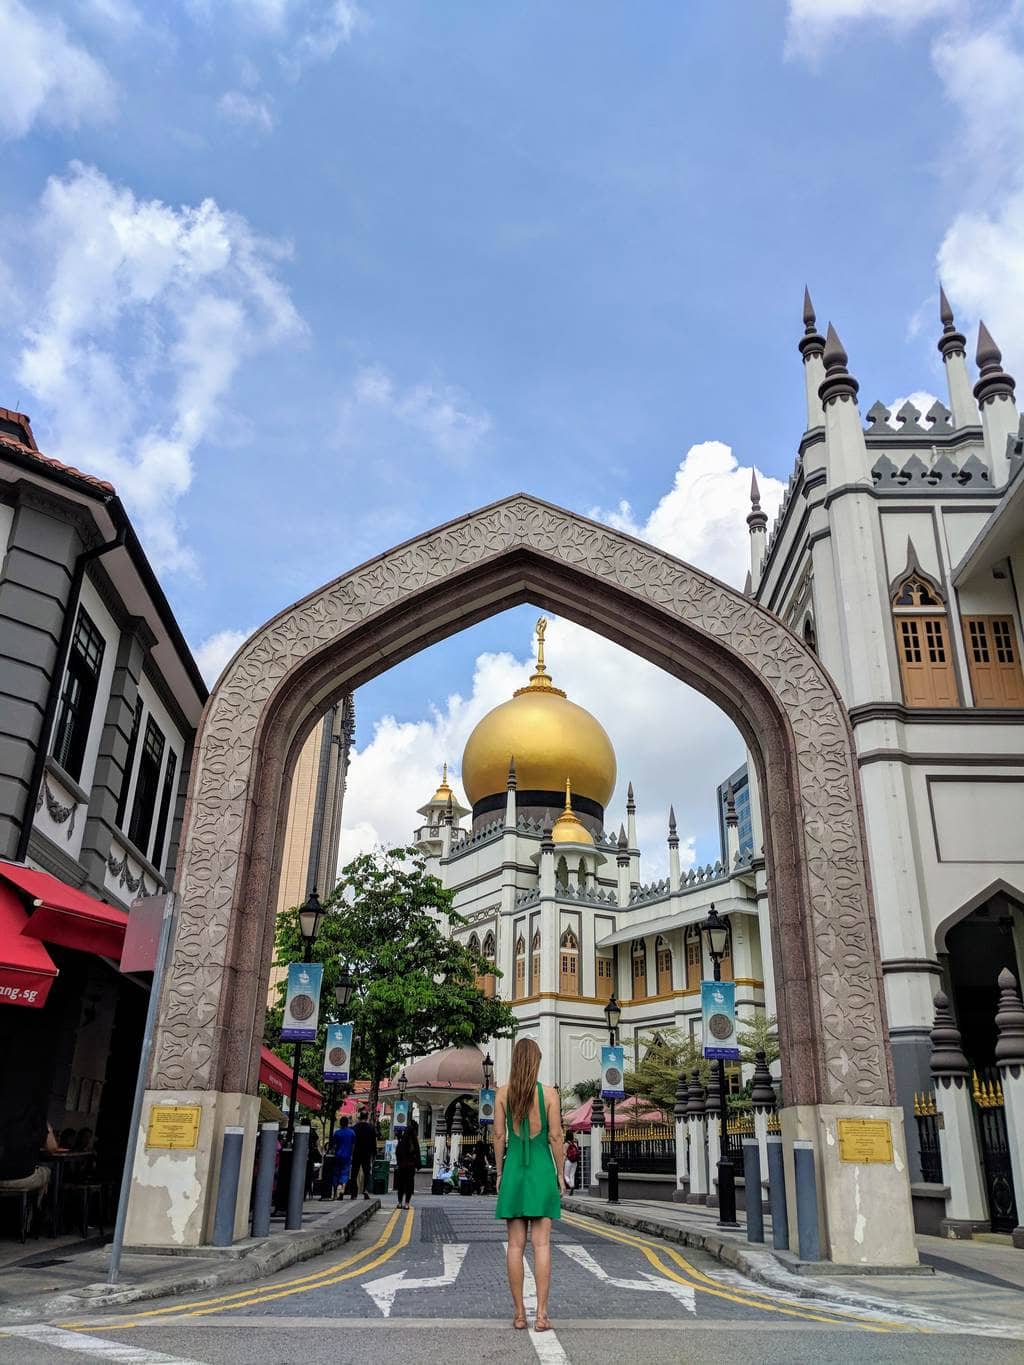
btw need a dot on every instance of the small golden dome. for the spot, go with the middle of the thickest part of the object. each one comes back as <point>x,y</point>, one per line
<point>567,829</point>
<point>549,737</point>
<point>443,792</point>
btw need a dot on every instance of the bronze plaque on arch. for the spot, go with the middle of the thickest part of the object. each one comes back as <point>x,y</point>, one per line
<point>865,1141</point>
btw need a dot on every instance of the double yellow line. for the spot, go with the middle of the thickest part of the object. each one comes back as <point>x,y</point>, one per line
<point>703,1284</point>
<point>346,1269</point>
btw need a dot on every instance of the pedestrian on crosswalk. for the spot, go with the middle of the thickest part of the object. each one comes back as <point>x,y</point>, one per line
<point>528,1152</point>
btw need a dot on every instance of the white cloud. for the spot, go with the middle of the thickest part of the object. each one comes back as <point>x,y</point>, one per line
<point>303,32</point>
<point>51,79</point>
<point>697,519</point>
<point>813,25</point>
<point>442,414</point>
<point>246,110</point>
<point>216,650</point>
<point>147,313</point>
<point>673,744</point>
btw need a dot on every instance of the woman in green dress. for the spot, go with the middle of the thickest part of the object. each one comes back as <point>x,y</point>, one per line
<point>528,1155</point>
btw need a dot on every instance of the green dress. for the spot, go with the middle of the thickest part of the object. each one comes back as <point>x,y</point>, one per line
<point>529,1182</point>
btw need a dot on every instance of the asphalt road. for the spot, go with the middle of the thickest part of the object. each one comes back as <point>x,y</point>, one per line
<point>430,1286</point>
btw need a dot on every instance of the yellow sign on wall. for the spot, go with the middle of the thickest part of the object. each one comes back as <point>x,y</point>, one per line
<point>865,1141</point>
<point>173,1126</point>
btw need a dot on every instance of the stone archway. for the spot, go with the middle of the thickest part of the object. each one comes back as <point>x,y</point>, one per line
<point>828,980</point>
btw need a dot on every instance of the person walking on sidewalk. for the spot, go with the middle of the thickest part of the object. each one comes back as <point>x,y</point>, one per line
<point>343,1142</point>
<point>572,1158</point>
<point>407,1163</point>
<point>528,1152</point>
<point>363,1152</point>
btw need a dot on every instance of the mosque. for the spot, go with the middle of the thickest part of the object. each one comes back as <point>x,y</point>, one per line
<point>551,886</point>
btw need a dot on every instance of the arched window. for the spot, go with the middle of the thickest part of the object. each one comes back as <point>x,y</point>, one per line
<point>490,952</point>
<point>810,634</point>
<point>639,960</point>
<point>922,642</point>
<point>605,975</point>
<point>569,964</point>
<point>694,958</point>
<point>519,988</point>
<point>562,872</point>
<point>535,963</point>
<point>663,964</point>
<point>473,944</point>
<point>581,873</point>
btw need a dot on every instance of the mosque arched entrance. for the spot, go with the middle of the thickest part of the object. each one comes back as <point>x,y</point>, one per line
<point>827,974</point>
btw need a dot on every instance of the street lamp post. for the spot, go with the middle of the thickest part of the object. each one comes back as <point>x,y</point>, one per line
<point>310,916</point>
<point>612,1013</point>
<point>342,995</point>
<point>716,931</point>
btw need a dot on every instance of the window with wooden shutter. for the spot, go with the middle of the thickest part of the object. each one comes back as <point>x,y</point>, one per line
<point>535,963</point>
<point>639,957</point>
<point>993,659</point>
<point>520,982</point>
<point>663,964</point>
<point>604,978</point>
<point>922,644</point>
<point>694,959</point>
<point>569,964</point>
<point>727,958</point>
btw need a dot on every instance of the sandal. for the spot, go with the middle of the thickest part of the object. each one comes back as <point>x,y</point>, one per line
<point>519,1323</point>
<point>542,1323</point>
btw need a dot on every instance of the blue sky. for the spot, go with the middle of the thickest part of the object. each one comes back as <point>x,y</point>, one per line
<point>305,278</point>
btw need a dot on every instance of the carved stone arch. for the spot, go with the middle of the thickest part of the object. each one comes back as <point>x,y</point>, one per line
<point>828,984</point>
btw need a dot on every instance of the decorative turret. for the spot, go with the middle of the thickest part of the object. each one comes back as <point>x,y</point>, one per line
<point>442,811</point>
<point>634,843</point>
<point>546,863</point>
<point>510,795</point>
<point>948,1060</point>
<point>953,349</point>
<point>812,346</point>
<point>1009,1022</point>
<point>567,828</point>
<point>674,870</point>
<point>839,383</point>
<point>994,392</point>
<point>757,522</point>
<point>622,867</point>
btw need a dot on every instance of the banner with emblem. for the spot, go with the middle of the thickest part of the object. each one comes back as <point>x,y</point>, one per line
<point>613,1072</point>
<point>338,1052</point>
<point>487,1098</point>
<point>718,1005</point>
<point>302,1004</point>
<point>401,1115</point>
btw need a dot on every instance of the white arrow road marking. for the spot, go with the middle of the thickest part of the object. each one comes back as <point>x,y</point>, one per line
<point>63,1340</point>
<point>547,1346</point>
<point>383,1291</point>
<point>649,1284</point>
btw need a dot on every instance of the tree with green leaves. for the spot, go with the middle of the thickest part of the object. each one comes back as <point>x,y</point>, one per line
<point>759,1034</point>
<point>415,987</point>
<point>656,1077</point>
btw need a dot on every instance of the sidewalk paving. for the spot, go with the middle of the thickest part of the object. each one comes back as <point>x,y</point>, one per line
<point>974,1282</point>
<point>63,1276</point>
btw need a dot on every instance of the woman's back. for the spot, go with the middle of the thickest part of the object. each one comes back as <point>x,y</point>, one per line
<point>529,1182</point>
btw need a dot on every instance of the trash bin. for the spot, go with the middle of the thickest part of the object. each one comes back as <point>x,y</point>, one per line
<point>381,1170</point>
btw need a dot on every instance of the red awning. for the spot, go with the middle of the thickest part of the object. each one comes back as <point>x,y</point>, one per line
<point>277,1074</point>
<point>67,917</point>
<point>26,968</point>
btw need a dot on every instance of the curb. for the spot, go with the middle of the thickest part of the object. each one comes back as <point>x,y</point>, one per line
<point>760,1266</point>
<point>263,1258</point>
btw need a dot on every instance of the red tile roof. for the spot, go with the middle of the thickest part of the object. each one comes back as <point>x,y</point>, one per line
<point>28,447</point>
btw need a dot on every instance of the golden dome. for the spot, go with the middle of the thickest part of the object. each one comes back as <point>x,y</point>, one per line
<point>550,738</point>
<point>567,829</point>
<point>443,792</point>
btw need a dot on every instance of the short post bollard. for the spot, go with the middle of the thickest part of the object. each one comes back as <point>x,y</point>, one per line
<point>227,1187</point>
<point>806,1201</point>
<point>752,1183</point>
<point>297,1180</point>
<point>264,1193</point>
<point>777,1194</point>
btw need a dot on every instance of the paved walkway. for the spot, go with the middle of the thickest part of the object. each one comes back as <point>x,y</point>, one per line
<point>965,1281</point>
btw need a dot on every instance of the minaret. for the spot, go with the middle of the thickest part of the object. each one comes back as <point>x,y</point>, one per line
<point>634,843</point>
<point>447,821</point>
<point>732,829</point>
<point>812,347</point>
<point>674,873</point>
<point>757,521</point>
<point>510,797</point>
<point>866,668</point>
<point>622,866</point>
<point>994,392</point>
<point>547,866</point>
<point>953,349</point>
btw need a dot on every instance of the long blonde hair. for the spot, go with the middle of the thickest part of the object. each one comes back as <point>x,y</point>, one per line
<point>522,1080</point>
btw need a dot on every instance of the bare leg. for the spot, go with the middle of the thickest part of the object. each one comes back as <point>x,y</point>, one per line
<point>514,1261</point>
<point>540,1236</point>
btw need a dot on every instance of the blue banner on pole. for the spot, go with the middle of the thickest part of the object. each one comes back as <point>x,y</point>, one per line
<point>401,1116</point>
<point>718,1005</point>
<point>613,1072</point>
<point>487,1098</point>
<point>338,1052</point>
<point>302,1004</point>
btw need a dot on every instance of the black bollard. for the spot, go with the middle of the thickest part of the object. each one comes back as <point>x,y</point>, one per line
<point>297,1180</point>
<point>264,1192</point>
<point>227,1187</point>
<point>752,1182</point>
<point>777,1194</point>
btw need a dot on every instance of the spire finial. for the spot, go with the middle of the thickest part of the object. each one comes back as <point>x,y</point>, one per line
<point>671,819</point>
<point>755,492</point>
<point>1009,1022</point>
<point>993,381</point>
<point>568,798</point>
<point>731,818</point>
<point>757,518</point>
<point>449,811</point>
<point>948,1058</point>
<point>444,774</point>
<point>838,382</point>
<point>540,678</point>
<point>951,342</point>
<point>541,627</point>
<point>630,800</point>
<point>623,841</point>
<point>812,342</point>
<point>945,312</point>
